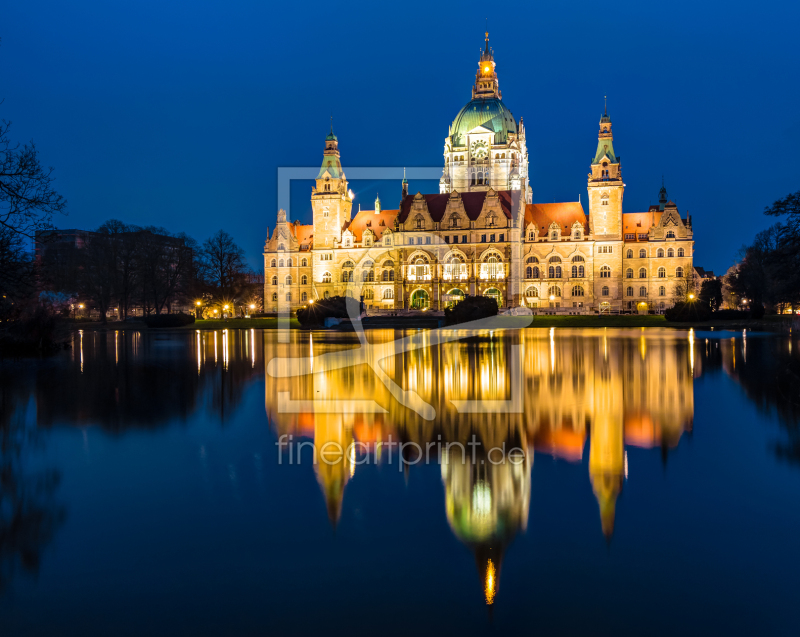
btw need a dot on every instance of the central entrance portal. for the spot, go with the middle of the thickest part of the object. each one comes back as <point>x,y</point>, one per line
<point>419,300</point>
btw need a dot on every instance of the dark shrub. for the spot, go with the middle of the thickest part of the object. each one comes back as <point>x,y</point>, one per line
<point>168,320</point>
<point>472,308</point>
<point>36,331</point>
<point>334,307</point>
<point>730,315</point>
<point>757,311</point>
<point>690,311</point>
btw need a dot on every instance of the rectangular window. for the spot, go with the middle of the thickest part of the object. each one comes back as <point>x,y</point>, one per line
<point>463,238</point>
<point>502,238</point>
<point>427,240</point>
<point>630,237</point>
<point>483,238</point>
<point>642,237</point>
<point>446,239</point>
<point>491,238</point>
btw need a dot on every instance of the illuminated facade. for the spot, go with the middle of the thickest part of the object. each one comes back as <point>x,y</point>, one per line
<point>481,233</point>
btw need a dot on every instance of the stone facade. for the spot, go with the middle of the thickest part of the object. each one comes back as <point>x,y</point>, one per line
<point>481,234</point>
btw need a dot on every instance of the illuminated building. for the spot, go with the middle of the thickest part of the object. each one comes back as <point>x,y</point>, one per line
<point>482,233</point>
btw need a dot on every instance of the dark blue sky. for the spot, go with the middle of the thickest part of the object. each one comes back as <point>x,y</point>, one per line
<point>179,113</point>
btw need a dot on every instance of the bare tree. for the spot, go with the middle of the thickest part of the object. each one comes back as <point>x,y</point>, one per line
<point>27,198</point>
<point>222,264</point>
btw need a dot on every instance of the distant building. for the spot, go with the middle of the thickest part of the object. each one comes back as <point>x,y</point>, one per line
<point>481,234</point>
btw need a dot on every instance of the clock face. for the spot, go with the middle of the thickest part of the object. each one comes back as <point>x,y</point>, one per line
<point>479,149</point>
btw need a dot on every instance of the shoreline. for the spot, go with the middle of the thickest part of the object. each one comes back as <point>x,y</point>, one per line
<point>773,323</point>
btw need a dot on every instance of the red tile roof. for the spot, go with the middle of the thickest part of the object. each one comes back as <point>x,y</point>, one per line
<point>303,233</point>
<point>473,204</point>
<point>368,219</point>
<point>639,222</point>
<point>564,214</point>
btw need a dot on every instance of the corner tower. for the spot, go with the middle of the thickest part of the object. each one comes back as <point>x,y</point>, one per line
<point>330,199</point>
<point>605,186</point>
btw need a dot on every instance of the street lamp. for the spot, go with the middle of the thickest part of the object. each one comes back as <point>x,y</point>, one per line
<point>691,297</point>
<point>311,301</point>
<point>252,306</point>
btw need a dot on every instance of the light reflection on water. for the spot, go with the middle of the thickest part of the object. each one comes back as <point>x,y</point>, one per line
<point>600,408</point>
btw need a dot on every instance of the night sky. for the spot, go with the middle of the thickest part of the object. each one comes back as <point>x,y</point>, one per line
<point>179,113</point>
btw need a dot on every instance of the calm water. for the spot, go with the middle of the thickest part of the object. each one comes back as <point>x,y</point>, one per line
<point>653,490</point>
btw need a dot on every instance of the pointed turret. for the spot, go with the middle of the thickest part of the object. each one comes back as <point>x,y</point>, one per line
<point>405,184</point>
<point>486,84</point>
<point>662,196</point>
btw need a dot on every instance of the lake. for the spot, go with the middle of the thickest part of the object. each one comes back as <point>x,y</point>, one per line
<point>551,481</point>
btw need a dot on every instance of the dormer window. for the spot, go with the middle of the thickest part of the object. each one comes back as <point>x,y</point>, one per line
<point>670,234</point>
<point>418,222</point>
<point>454,221</point>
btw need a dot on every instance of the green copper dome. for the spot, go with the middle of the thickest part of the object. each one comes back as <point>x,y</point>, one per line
<point>490,113</point>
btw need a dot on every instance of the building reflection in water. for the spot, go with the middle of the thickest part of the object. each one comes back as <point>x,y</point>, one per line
<point>615,389</point>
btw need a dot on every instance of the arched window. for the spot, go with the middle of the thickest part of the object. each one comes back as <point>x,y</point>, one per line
<point>531,260</point>
<point>642,253</point>
<point>629,291</point>
<point>553,236</point>
<point>387,240</point>
<point>388,263</point>
<point>577,272</point>
<point>577,290</point>
<point>274,280</point>
<point>642,273</point>
<point>492,268</point>
<point>281,248</point>
<point>418,221</point>
<point>670,234</point>
<point>578,259</point>
<point>420,269</point>
<point>551,272</point>
<point>304,280</point>
<point>532,292</point>
<point>388,293</point>
<point>288,280</point>
<point>629,273</point>
<point>289,297</point>
<point>554,291</point>
<point>289,263</point>
<point>385,275</point>
<point>326,295</point>
<point>274,296</point>
<point>670,252</point>
<point>605,272</point>
<point>529,272</point>
<point>280,263</point>
<point>555,259</point>
<point>643,291</point>
<point>273,263</point>
<point>304,297</point>
<point>679,272</point>
<point>629,254</point>
<point>662,272</point>
<point>536,274</point>
<point>304,263</point>
<point>531,235</point>
<point>558,271</point>
<point>347,264</point>
<point>680,252</point>
<point>391,275</point>
<point>326,277</point>
<point>662,291</point>
<point>369,294</point>
<point>604,291</point>
<point>345,276</point>
<point>660,252</point>
<point>577,235</point>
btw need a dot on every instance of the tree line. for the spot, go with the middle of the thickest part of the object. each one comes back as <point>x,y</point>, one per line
<point>118,266</point>
<point>768,271</point>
